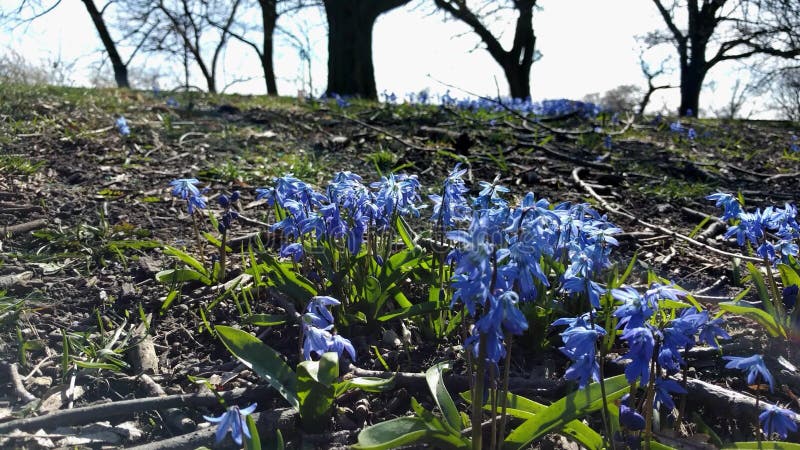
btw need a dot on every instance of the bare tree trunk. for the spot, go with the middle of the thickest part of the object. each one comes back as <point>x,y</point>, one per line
<point>517,61</point>
<point>692,78</point>
<point>350,23</point>
<point>269,17</point>
<point>120,69</point>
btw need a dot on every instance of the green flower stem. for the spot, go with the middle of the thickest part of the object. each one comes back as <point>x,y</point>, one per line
<point>648,404</point>
<point>477,395</point>
<point>493,444</point>
<point>223,256</point>
<point>504,392</point>
<point>758,397</point>
<point>682,406</point>
<point>608,438</point>
<point>197,236</point>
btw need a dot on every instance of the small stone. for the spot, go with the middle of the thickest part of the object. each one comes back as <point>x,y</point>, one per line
<point>391,340</point>
<point>339,140</point>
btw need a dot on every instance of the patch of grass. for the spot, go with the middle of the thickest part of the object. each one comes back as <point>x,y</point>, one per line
<point>19,165</point>
<point>382,159</point>
<point>672,189</point>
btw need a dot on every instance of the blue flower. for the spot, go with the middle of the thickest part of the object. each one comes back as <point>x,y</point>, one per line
<point>452,206</point>
<point>665,387</point>
<point>634,310</point>
<point>790,296</point>
<point>730,204</point>
<point>234,419</point>
<point>629,417</point>
<point>753,365</point>
<point>580,346</point>
<point>122,126</point>
<point>640,344</point>
<point>691,134</point>
<point>711,331</point>
<point>607,142</point>
<point>185,187</point>
<point>319,306</point>
<point>778,420</point>
<point>195,202</point>
<point>294,250</point>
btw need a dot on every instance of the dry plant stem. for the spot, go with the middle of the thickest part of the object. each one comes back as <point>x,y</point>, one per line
<point>477,395</point>
<point>16,381</point>
<point>634,219</point>
<point>104,411</point>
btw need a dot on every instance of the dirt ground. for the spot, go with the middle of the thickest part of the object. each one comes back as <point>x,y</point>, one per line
<point>86,212</point>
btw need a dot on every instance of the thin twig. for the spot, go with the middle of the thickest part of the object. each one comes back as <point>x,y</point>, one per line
<point>104,411</point>
<point>636,220</point>
<point>16,382</point>
<point>387,133</point>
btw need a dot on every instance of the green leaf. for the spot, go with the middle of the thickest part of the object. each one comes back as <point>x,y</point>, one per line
<point>763,445</point>
<point>315,391</point>
<point>214,241</point>
<point>524,408</point>
<point>571,407</point>
<point>372,384</point>
<point>171,296</point>
<point>187,259</point>
<point>443,400</point>
<point>761,287</point>
<point>628,269</point>
<point>274,441</point>
<point>788,275</point>
<point>757,314</point>
<point>404,431</point>
<point>372,289</point>
<point>262,359</point>
<point>404,231</point>
<point>412,311</point>
<point>283,277</point>
<point>172,276</point>
<point>254,443</point>
<point>265,320</point>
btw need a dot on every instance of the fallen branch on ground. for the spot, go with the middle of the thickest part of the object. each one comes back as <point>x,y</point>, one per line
<point>576,177</point>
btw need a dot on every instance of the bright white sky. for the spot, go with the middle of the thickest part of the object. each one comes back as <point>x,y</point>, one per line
<point>588,46</point>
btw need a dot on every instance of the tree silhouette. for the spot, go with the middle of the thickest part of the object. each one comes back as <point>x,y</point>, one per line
<point>516,62</point>
<point>724,30</point>
<point>350,23</point>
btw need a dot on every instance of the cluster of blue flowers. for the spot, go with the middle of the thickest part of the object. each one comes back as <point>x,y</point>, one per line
<point>499,262</point>
<point>345,212</point>
<point>550,107</point>
<point>122,126</point>
<point>229,214</point>
<point>317,326</point>
<point>678,128</point>
<point>756,228</point>
<point>186,189</point>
